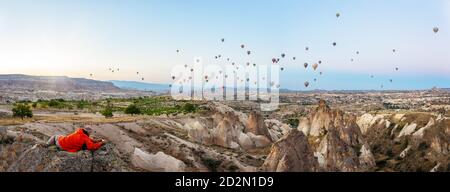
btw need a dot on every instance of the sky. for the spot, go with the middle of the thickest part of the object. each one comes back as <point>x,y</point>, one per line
<point>78,37</point>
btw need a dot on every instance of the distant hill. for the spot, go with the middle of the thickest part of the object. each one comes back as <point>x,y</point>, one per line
<point>54,83</point>
<point>133,85</point>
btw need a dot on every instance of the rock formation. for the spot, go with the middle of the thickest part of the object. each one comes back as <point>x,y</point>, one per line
<point>291,153</point>
<point>231,129</point>
<point>159,162</point>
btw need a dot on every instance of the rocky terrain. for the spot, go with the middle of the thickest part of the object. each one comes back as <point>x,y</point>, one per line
<point>327,131</point>
<point>222,138</point>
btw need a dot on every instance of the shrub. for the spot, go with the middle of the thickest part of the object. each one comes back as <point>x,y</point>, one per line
<point>293,122</point>
<point>189,108</point>
<point>107,112</point>
<point>212,164</point>
<point>22,111</point>
<point>132,110</point>
<point>82,104</point>
<point>54,103</point>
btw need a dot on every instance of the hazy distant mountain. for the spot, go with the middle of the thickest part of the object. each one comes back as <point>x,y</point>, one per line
<point>53,83</point>
<point>133,85</point>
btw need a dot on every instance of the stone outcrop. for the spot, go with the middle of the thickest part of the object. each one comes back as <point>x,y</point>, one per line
<point>366,121</point>
<point>231,129</point>
<point>276,129</point>
<point>338,139</point>
<point>256,125</point>
<point>408,129</point>
<point>38,158</point>
<point>291,153</point>
<point>366,158</point>
<point>336,155</point>
<point>159,162</point>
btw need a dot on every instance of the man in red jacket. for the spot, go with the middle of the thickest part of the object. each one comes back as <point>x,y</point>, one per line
<point>79,140</point>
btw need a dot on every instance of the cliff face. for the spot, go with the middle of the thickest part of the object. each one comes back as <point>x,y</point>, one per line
<point>56,83</point>
<point>337,140</point>
<point>231,129</point>
<point>291,153</point>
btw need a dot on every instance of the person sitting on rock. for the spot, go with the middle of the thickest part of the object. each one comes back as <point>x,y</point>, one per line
<point>79,140</point>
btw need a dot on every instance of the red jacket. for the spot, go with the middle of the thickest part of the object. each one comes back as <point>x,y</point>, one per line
<point>77,141</point>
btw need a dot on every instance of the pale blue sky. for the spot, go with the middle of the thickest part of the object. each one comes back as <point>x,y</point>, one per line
<point>79,37</point>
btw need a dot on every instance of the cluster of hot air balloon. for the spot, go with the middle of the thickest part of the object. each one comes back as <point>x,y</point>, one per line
<point>275,60</point>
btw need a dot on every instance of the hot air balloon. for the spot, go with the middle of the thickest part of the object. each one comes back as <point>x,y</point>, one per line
<point>320,62</point>
<point>351,60</point>
<point>396,68</point>
<point>142,78</point>
<point>293,58</point>
<point>334,43</point>
<point>315,79</point>
<point>282,69</point>
<point>232,63</point>
<point>223,40</point>
<point>305,65</point>
<point>357,52</point>
<point>91,74</point>
<point>178,51</point>
<point>283,55</point>
<point>306,48</point>
<point>249,52</point>
<point>278,60</point>
<point>320,73</point>
<point>137,73</point>
<point>248,63</point>
<point>306,83</point>
<point>315,65</point>
<point>254,64</point>
<point>435,29</point>
<point>215,57</point>
<point>371,76</point>
<point>112,71</point>
<point>274,60</point>
<point>192,70</point>
<point>390,80</point>
<point>173,77</point>
<point>393,50</point>
<point>338,15</point>
<point>242,46</point>
<point>197,60</point>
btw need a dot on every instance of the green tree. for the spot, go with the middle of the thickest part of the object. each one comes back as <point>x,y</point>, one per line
<point>22,111</point>
<point>82,104</point>
<point>107,112</point>
<point>54,103</point>
<point>132,110</point>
